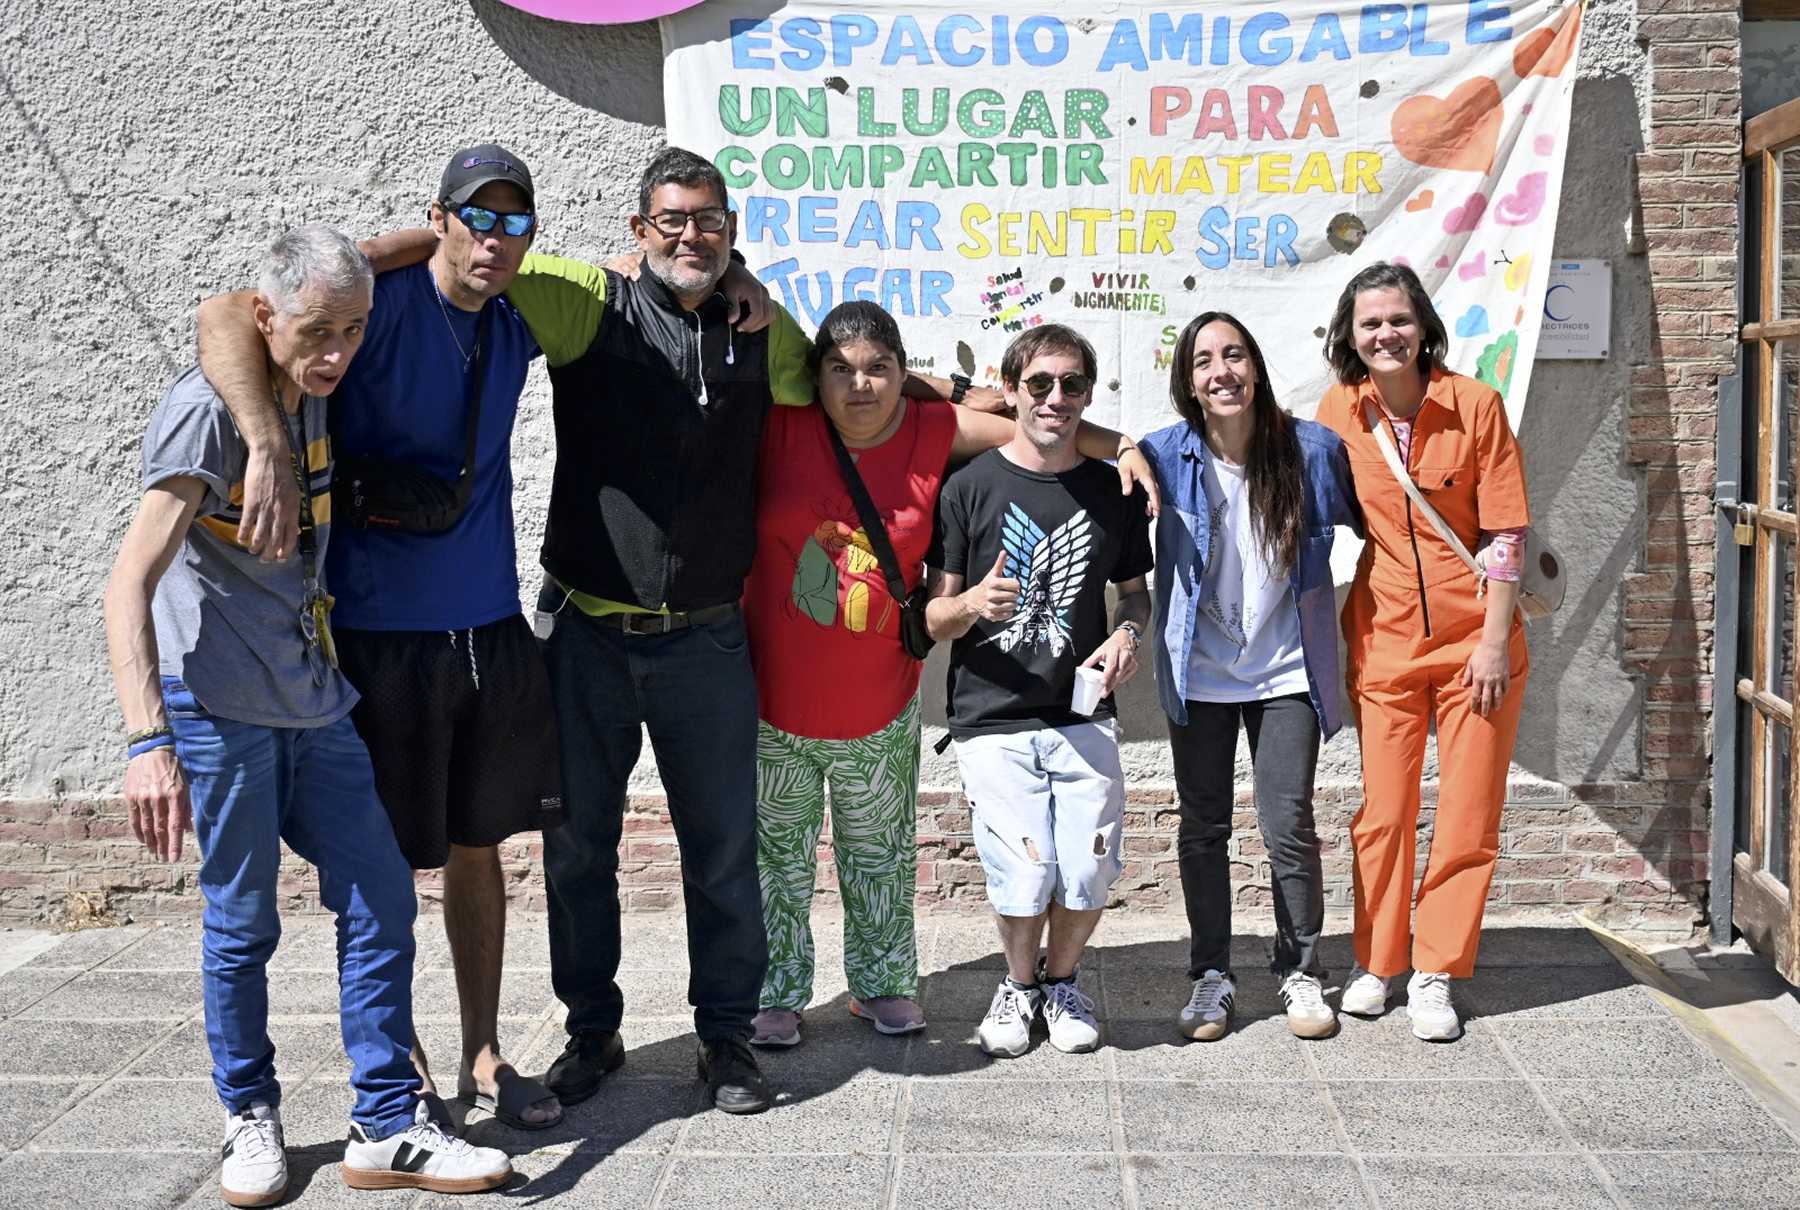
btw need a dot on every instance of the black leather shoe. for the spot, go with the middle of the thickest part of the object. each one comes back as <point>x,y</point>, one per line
<point>584,1062</point>
<point>732,1077</point>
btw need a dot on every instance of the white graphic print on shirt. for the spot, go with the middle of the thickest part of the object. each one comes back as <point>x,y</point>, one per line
<point>1050,571</point>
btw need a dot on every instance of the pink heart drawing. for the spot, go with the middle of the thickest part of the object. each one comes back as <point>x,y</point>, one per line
<point>1524,203</point>
<point>1466,216</point>
<point>1474,267</point>
<point>1443,262</point>
<point>1544,144</point>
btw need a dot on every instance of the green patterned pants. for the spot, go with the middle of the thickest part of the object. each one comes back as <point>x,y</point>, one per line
<point>874,790</point>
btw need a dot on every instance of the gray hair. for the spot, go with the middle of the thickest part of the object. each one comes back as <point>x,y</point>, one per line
<point>313,255</point>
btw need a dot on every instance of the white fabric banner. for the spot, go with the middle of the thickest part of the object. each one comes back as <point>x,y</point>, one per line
<point>978,167</point>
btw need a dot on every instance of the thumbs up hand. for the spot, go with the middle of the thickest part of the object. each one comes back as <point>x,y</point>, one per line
<point>996,598</point>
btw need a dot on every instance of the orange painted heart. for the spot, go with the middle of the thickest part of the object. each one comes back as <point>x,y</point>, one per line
<point>1422,202</point>
<point>1546,52</point>
<point>1460,131</point>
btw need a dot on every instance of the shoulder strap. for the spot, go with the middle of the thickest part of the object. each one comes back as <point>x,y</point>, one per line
<point>867,514</point>
<point>465,482</point>
<point>1412,490</point>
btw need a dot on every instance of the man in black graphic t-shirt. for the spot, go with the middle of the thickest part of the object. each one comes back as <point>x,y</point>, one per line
<point>1039,532</point>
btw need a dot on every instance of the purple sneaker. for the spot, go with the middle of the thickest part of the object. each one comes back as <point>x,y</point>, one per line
<point>890,1014</point>
<point>775,1027</point>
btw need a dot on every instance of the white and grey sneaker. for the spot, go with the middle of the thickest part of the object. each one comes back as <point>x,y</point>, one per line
<point>1428,1003</point>
<point>1206,1017</point>
<point>253,1162</point>
<point>423,1156</point>
<point>1069,1012</point>
<point>1364,995</point>
<point>1006,1030</point>
<point>1308,1015</point>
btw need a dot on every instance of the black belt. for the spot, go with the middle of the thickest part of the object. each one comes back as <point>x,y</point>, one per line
<point>664,623</point>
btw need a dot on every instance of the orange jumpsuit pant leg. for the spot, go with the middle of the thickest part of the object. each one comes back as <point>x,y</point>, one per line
<point>1392,700</point>
<point>1474,755</point>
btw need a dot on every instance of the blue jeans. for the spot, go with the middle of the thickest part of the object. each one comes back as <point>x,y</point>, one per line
<point>694,691</point>
<point>252,788</point>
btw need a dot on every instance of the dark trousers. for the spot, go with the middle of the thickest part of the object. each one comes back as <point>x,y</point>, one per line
<point>1284,752</point>
<point>695,692</point>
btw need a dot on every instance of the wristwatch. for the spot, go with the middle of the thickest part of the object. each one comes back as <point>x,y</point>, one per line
<point>1134,630</point>
<point>959,386</point>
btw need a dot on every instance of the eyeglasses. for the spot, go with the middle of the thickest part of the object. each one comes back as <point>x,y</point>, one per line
<point>1040,385</point>
<point>672,223</point>
<point>482,221</point>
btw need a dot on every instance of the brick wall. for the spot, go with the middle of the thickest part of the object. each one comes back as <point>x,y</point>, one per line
<point>1622,853</point>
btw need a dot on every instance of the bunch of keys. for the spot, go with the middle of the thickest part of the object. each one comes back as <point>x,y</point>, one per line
<point>315,626</point>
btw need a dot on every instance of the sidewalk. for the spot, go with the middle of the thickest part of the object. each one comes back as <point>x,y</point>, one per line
<point>1575,1086</point>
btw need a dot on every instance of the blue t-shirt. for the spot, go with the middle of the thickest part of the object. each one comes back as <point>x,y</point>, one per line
<point>406,399</point>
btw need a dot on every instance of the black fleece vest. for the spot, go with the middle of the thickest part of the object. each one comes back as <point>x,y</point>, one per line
<point>658,426</point>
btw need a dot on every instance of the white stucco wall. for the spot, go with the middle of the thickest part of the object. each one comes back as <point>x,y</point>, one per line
<point>154,151</point>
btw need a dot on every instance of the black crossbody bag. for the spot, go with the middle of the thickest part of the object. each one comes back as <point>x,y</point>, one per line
<point>377,493</point>
<point>914,637</point>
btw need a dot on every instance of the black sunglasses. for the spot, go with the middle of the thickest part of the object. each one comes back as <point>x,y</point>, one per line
<point>476,219</point>
<point>1040,385</point>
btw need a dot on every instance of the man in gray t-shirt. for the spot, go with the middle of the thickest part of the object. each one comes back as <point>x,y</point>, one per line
<point>238,724</point>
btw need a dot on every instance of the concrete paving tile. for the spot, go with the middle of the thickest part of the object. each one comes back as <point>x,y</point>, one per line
<point>705,1183</point>
<point>1238,1116</point>
<point>90,947</point>
<point>835,1046</point>
<point>1157,993</point>
<point>1529,946</point>
<point>527,941</point>
<point>122,996</point>
<point>624,1115</point>
<point>34,1047</point>
<point>116,1180</point>
<point>1481,1182</point>
<point>523,993</point>
<point>162,947</point>
<point>1600,1049</point>
<point>147,1115</point>
<point>1385,1048</point>
<point>1595,991</point>
<point>971,1182</point>
<point>1666,1115</point>
<point>1443,1117</point>
<point>656,992</point>
<point>658,1048</point>
<point>950,1049</point>
<point>299,1046</point>
<point>1719,1180</point>
<point>807,1119</point>
<point>579,1180</point>
<point>26,1107</point>
<point>992,1117</point>
<point>653,943</point>
<point>20,989</point>
<point>304,993</point>
<point>320,1040</point>
<point>1304,1182</point>
<point>1255,1050</point>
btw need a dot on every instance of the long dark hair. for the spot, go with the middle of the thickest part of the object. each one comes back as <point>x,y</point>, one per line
<point>850,322</point>
<point>1277,483</point>
<point>1340,341</point>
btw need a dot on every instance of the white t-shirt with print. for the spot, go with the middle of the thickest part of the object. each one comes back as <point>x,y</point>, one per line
<point>1247,638</point>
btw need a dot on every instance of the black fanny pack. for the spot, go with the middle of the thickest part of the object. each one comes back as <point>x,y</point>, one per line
<point>377,493</point>
<point>914,637</point>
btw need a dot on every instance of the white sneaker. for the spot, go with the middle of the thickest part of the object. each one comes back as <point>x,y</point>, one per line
<point>1428,1003</point>
<point>1006,1030</point>
<point>1308,1015</point>
<point>423,1156</point>
<point>1207,1015</point>
<point>1069,1012</point>
<point>1364,995</point>
<point>254,1170</point>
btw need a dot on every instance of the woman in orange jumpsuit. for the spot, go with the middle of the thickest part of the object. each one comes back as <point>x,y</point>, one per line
<point>1427,639</point>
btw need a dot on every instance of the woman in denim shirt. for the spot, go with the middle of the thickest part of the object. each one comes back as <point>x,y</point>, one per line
<point>1245,629</point>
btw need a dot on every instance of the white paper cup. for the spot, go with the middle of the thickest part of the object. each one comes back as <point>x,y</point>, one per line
<point>1086,698</point>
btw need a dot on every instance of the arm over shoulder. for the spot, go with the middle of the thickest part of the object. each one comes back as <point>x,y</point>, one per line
<point>790,381</point>
<point>562,301</point>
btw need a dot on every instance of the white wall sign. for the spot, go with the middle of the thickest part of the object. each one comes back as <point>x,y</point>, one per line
<point>1577,311</point>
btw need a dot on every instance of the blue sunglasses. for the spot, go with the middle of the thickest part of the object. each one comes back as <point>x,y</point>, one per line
<point>482,221</point>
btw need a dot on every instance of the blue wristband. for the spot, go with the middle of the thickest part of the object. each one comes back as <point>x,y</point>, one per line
<point>136,750</point>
